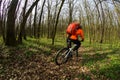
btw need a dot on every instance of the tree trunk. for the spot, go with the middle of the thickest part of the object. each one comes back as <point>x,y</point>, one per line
<point>10,35</point>
<point>34,24</point>
<point>3,16</point>
<point>24,9</point>
<point>102,23</point>
<point>70,10</point>
<point>39,24</point>
<point>30,26</point>
<point>56,22</point>
<point>22,26</point>
<point>48,19</point>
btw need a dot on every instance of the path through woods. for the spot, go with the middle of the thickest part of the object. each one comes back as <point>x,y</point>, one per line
<point>41,66</point>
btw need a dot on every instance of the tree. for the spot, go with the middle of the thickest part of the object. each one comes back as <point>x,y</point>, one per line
<point>3,17</point>
<point>102,22</point>
<point>56,22</point>
<point>22,25</point>
<point>30,30</point>
<point>24,10</point>
<point>35,18</point>
<point>71,8</point>
<point>40,18</point>
<point>48,18</point>
<point>10,35</point>
<point>0,16</point>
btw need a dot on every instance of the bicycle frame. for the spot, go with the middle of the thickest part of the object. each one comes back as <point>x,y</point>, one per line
<point>63,55</point>
<point>70,50</point>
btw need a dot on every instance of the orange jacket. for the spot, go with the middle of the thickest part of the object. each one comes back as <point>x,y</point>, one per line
<point>79,32</point>
<point>71,29</point>
<point>76,32</point>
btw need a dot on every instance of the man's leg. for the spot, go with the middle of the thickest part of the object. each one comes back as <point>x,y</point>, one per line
<point>77,42</point>
<point>68,43</point>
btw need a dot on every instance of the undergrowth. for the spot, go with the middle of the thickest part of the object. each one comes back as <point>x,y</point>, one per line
<point>100,61</point>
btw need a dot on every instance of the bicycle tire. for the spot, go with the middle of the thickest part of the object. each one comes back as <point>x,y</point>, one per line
<point>60,56</point>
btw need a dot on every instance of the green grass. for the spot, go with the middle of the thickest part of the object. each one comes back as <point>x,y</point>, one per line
<point>104,63</point>
<point>102,60</point>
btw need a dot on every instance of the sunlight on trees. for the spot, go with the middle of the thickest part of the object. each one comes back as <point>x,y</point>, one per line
<point>42,18</point>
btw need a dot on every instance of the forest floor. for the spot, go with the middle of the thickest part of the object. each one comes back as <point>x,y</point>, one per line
<point>35,61</point>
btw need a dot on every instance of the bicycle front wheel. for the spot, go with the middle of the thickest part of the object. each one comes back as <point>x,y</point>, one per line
<point>60,57</point>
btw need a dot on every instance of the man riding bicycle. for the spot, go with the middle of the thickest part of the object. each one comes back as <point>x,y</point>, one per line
<point>73,31</point>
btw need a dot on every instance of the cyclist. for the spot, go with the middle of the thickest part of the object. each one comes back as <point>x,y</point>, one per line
<point>74,30</point>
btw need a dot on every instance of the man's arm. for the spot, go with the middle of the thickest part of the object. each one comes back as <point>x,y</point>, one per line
<point>81,33</point>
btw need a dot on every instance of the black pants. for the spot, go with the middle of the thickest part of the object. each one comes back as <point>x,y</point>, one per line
<point>77,42</point>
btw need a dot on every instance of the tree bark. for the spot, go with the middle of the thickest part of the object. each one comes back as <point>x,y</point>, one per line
<point>40,18</point>
<point>22,26</point>
<point>56,22</point>
<point>34,24</point>
<point>48,19</point>
<point>3,16</point>
<point>102,23</point>
<point>24,10</point>
<point>70,10</point>
<point>10,35</point>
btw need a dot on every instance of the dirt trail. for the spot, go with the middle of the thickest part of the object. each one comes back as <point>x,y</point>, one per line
<point>43,67</point>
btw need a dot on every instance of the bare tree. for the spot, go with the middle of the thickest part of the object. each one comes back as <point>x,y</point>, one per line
<point>117,10</point>
<point>48,18</point>
<point>71,4</point>
<point>56,22</point>
<point>22,26</point>
<point>53,18</point>
<point>102,22</point>
<point>10,35</point>
<point>88,19</point>
<point>0,16</point>
<point>3,17</point>
<point>52,14</point>
<point>30,27</point>
<point>40,18</point>
<point>35,18</point>
<point>24,11</point>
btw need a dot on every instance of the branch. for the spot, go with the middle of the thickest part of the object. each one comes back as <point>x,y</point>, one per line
<point>117,1</point>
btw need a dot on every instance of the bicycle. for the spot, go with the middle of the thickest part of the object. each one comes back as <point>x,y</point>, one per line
<point>64,54</point>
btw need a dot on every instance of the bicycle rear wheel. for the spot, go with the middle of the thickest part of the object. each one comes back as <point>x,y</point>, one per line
<point>60,57</point>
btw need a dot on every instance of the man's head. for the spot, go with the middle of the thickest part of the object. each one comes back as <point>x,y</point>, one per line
<point>77,24</point>
<point>76,21</point>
